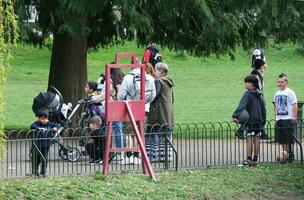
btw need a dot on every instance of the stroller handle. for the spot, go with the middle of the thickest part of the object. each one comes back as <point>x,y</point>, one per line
<point>84,100</point>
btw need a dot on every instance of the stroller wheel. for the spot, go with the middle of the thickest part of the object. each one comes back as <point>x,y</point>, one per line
<point>63,152</point>
<point>73,154</point>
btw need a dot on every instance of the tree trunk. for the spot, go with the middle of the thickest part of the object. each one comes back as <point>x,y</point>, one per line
<point>68,70</point>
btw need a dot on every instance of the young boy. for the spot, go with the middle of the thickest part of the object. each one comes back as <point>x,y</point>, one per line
<point>43,131</point>
<point>253,103</point>
<point>286,110</point>
<point>95,146</point>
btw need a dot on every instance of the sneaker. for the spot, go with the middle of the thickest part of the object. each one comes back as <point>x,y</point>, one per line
<point>117,157</point>
<point>137,161</point>
<point>247,162</point>
<point>127,161</point>
<point>99,161</point>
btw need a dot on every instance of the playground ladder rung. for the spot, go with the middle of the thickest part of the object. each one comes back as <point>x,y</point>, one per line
<point>136,149</point>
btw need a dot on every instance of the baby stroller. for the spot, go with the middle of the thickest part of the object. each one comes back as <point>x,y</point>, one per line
<point>60,113</point>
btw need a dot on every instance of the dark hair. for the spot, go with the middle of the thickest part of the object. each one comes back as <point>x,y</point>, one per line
<point>92,85</point>
<point>103,78</point>
<point>116,76</point>
<point>252,79</point>
<point>258,63</point>
<point>42,113</point>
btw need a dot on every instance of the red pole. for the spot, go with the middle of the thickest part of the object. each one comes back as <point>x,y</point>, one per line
<point>140,142</point>
<point>109,124</point>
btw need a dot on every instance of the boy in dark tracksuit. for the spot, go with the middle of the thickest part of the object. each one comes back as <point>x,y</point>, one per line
<point>43,132</point>
<point>253,103</point>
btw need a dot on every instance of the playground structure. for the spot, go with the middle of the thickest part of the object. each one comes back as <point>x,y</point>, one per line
<point>127,110</point>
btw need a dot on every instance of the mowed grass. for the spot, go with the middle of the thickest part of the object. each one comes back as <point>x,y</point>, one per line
<point>263,182</point>
<point>206,89</point>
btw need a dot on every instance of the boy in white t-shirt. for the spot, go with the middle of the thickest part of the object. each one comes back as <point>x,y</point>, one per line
<point>286,110</point>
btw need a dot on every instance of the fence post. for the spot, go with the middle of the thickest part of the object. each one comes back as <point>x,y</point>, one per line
<point>166,150</point>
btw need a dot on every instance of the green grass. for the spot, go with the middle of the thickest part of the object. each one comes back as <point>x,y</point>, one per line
<point>263,182</point>
<point>207,89</point>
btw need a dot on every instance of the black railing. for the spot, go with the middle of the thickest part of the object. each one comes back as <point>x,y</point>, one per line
<point>183,146</point>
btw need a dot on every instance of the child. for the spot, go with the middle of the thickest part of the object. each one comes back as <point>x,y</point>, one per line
<point>259,68</point>
<point>253,103</point>
<point>95,146</point>
<point>286,110</point>
<point>42,141</point>
<point>93,108</point>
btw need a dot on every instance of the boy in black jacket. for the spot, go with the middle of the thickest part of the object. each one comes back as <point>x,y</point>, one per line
<point>43,132</point>
<point>253,103</point>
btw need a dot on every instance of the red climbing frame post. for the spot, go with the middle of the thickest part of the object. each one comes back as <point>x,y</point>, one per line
<point>131,110</point>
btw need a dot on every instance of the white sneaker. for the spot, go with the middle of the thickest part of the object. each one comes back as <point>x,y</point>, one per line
<point>118,157</point>
<point>127,161</point>
<point>137,161</point>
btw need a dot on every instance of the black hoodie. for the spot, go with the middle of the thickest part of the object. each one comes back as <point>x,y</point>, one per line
<point>253,102</point>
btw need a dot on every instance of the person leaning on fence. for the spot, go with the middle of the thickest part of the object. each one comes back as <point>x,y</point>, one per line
<point>130,90</point>
<point>95,146</point>
<point>286,110</point>
<point>160,118</point>
<point>252,102</point>
<point>43,132</point>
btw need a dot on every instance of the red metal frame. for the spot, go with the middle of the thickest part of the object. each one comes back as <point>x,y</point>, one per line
<point>132,110</point>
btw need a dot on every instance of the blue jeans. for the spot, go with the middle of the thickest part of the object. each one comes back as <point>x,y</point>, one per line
<point>117,132</point>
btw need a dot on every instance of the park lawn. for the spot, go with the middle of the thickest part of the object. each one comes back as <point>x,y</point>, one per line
<point>280,181</point>
<point>206,89</point>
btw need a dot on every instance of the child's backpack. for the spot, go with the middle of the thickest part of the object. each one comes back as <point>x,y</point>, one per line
<point>155,56</point>
<point>257,54</point>
<point>149,87</point>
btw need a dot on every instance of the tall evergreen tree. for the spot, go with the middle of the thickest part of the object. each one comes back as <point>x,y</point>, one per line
<point>200,27</point>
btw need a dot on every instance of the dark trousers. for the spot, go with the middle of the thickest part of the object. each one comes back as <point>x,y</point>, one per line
<point>94,151</point>
<point>37,159</point>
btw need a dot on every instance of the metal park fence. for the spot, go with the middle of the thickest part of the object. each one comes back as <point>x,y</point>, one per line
<point>187,145</point>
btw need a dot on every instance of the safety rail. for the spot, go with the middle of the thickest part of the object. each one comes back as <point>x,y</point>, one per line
<point>185,145</point>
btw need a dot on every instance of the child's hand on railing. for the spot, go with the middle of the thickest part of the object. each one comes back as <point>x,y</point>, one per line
<point>42,130</point>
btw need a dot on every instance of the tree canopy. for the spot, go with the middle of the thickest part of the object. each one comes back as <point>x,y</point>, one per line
<point>199,27</point>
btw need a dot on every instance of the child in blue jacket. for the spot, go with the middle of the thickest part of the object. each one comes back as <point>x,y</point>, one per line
<point>43,133</point>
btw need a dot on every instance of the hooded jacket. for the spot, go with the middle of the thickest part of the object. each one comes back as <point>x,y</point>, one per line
<point>161,109</point>
<point>43,138</point>
<point>253,102</point>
